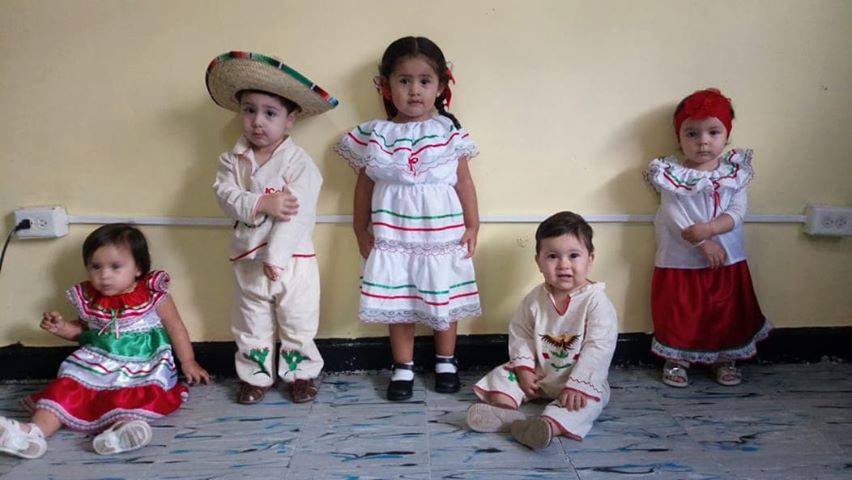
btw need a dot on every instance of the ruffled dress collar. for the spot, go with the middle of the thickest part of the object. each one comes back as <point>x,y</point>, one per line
<point>413,147</point>
<point>668,174</point>
<point>133,299</point>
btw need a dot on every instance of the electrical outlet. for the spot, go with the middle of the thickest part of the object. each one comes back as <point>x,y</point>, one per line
<point>45,222</point>
<point>826,220</point>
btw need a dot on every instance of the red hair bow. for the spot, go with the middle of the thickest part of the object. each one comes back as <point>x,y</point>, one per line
<point>448,94</point>
<point>704,104</point>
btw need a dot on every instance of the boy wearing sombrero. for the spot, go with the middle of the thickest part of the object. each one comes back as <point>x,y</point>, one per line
<point>270,186</point>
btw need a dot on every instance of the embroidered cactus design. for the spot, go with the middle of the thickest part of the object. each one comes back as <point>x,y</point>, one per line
<point>258,356</point>
<point>293,358</point>
<point>562,344</point>
<point>512,376</point>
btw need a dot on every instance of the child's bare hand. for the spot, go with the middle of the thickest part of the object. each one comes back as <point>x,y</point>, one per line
<point>572,399</point>
<point>714,253</point>
<point>365,242</point>
<point>528,382</point>
<point>279,205</point>
<point>53,323</point>
<point>697,233</point>
<point>194,373</point>
<point>272,272</point>
<point>468,239</point>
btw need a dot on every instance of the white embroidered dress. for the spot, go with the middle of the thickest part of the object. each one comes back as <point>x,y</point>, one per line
<point>416,271</point>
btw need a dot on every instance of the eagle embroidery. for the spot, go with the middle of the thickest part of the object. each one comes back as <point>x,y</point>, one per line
<point>562,344</point>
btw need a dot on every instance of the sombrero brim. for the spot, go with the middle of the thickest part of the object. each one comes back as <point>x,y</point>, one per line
<point>232,72</point>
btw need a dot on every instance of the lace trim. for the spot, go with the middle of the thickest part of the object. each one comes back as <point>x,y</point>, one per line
<point>739,353</point>
<point>421,249</point>
<point>372,315</point>
<point>106,420</point>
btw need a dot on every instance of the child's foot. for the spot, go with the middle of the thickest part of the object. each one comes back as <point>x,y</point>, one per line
<point>401,386</point>
<point>482,417</point>
<point>250,394</point>
<point>302,390</point>
<point>535,433</point>
<point>15,441</point>
<point>727,374</point>
<point>446,375</point>
<point>674,375</point>
<point>123,437</point>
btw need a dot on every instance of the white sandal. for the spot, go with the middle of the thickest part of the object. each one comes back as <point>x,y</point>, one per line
<point>15,441</point>
<point>674,375</point>
<point>123,437</point>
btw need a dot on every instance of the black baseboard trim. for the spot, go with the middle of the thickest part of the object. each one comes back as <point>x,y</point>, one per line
<point>18,362</point>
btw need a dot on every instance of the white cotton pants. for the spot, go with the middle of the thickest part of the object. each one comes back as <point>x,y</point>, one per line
<point>291,304</point>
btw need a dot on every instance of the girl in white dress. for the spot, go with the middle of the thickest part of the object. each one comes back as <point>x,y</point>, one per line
<point>415,212</point>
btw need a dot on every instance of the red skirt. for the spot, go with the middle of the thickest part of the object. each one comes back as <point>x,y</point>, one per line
<point>706,315</point>
<point>81,408</point>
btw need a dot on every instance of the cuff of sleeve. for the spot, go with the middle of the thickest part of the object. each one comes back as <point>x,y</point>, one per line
<point>254,213</point>
<point>586,388</point>
<point>523,365</point>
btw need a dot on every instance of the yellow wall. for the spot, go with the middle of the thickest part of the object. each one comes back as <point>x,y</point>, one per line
<point>104,111</point>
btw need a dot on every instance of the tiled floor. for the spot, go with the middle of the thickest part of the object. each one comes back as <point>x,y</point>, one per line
<point>789,421</point>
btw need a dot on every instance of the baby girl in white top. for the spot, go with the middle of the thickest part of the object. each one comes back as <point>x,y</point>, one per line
<point>561,342</point>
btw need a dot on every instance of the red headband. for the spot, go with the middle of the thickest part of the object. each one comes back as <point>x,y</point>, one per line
<point>704,104</point>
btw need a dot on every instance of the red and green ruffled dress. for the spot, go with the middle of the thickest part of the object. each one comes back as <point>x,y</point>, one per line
<point>124,368</point>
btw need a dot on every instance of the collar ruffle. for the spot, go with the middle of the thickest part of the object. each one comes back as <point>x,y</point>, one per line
<point>668,174</point>
<point>144,296</point>
<point>413,147</point>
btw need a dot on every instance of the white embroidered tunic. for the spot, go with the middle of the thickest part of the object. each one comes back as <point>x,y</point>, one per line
<point>689,196</point>
<point>417,271</point>
<point>240,184</point>
<point>570,347</point>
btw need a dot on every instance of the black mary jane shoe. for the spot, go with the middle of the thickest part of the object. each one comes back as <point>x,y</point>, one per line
<point>399,390</point>
<point>447,382</point>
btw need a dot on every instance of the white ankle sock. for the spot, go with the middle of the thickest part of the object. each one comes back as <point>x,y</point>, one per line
<point>403,374</point>
<point>444,367</point>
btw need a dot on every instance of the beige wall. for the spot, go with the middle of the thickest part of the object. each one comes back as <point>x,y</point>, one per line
<point>104,111</point>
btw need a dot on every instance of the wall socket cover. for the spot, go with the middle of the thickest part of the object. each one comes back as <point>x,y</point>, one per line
<point>45,222</point>
<point>828,220</point>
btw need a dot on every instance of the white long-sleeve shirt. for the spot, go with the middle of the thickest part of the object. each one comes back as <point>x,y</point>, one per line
<point>240,184</point>
<point>689,196</point>
<point>572,348</point>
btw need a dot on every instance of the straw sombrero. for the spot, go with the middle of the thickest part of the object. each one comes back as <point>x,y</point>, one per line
<point>231,72</point>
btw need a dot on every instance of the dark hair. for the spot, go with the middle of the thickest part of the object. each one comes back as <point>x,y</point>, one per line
<point>409,47</point>
<point>564,223</point>
<point>288,104</point>
<point>119,234</point>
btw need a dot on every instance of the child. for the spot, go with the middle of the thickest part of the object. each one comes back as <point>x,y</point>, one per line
<point>561,342</point>
<point>124,374</point>
<point>270,186</point>
<point>415,214</point>
<point>703,304</point>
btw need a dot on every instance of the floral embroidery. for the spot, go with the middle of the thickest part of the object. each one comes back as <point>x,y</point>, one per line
<point>258,356</point>
<point>293,359</point>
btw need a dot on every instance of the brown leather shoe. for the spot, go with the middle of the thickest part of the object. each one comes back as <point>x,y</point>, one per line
<point>302,390</point>
<point>250,394</point>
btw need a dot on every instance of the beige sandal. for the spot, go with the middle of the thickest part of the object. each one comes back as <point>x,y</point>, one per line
<point>674,375</point>
<point>535,433</point>
<point>725,373</point>
<point>482,417</point>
